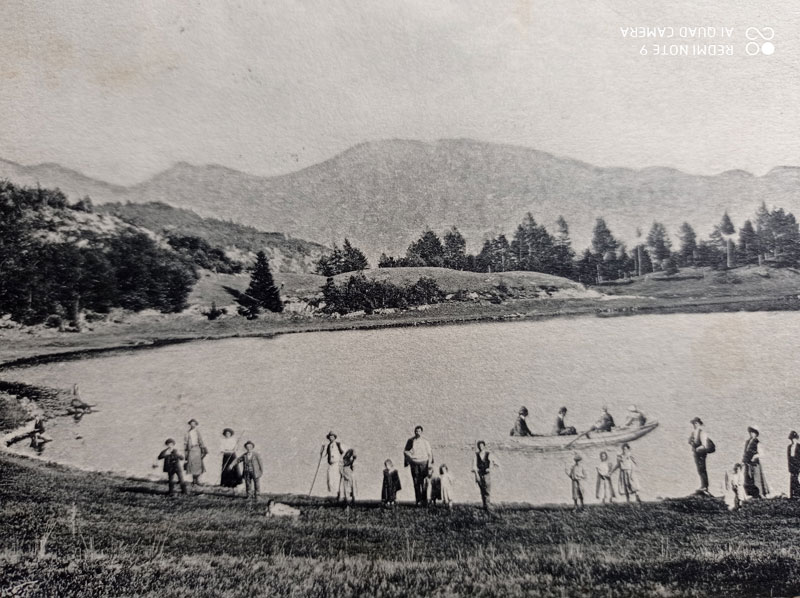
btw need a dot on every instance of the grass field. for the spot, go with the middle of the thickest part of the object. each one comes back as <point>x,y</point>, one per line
<point>69,533</point>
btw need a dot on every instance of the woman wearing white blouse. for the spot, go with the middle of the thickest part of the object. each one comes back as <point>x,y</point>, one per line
<point>230,478</point>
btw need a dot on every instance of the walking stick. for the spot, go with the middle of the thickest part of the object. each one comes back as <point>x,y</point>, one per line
<point>316,472</point>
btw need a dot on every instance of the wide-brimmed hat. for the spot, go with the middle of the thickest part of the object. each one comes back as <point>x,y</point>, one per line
<point>793,435</point>
<point>697,420</point>
<point>752,429</point>
<point>331,433</point>
<point>523,411</point>
<point>226,430</point>
<point>189,423</point>
<point>577,457</point>
<point>251,443</point>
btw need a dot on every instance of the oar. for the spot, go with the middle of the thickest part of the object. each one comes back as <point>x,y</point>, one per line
<point>316,472</point>
<point>578,437</point>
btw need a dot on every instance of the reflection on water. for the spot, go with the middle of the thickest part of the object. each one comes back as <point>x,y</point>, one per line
<point>463,383</point>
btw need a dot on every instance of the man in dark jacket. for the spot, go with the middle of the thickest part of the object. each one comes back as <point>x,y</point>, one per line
<point>793,456</point>
<point>172,466</point>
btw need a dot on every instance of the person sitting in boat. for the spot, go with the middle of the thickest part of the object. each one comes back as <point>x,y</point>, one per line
<point>521,425</point>
<point>605,423</point>
<point>636,419</point>
<point>561,428</point>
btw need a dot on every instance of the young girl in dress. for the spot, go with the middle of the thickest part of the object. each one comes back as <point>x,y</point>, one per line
<point>734,487</point>
<point>391,484</point>
<point>446,486</point>
<point>628,480</point>
<point>604,491</point>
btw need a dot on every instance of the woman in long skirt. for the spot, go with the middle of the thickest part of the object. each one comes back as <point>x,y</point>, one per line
<point>230,477</point>
<point>195,452</point>
<point>628,480</point>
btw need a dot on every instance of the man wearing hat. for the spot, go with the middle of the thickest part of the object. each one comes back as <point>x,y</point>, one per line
<point>699,443</point>
<point>793,456</point>
<point>333,452</point>
<point>521,425</point>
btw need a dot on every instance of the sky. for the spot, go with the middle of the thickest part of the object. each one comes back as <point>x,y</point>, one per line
<point>123,90</point>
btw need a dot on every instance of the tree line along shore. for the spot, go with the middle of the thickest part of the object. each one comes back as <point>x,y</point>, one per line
<point>67,267</point>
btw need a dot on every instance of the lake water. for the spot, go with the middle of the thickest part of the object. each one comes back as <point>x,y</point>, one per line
<point>461,383</point>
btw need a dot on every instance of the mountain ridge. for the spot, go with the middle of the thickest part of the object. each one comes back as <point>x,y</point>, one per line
<point>382,194</point>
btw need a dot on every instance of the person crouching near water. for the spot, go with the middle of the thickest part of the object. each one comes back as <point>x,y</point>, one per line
<point>561,428</point>
<point>604,491</point>
<point>391,484</point>
<point>521,425</point>
<point>172,467</point>
<point>628,480</point>
<point>577,475</point>
<point>484,464</point>
<point>252,469</point>
<point>347,492</point>
<point>195,450</point>
<point>230,477</point>
<point>418,456</point>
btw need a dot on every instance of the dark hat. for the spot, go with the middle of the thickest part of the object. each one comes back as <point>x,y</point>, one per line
<point>420,428</point>
<point>331,433</point>
<point>562,410</point>
<point>249,442</point>
<point>697,420</point>
<point>753,430</point>
<point>226,430</point>
<point>523,411</point>
<point>793,435</point>
<point>192,420</point>
<point>577,457</point>
<point>169,441</point>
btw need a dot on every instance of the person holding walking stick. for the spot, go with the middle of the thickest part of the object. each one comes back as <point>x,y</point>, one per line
<point>333,452</point>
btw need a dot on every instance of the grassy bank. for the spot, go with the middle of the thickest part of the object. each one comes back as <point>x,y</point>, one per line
<point>73,533</point>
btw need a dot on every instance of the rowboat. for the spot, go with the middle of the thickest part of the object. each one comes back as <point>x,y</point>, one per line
<point>589,440</point>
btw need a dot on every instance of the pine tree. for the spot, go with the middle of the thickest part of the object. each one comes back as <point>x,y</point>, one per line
<point>262,287</point>
<point>353,259</point>
<point>454,250</point>
<point>688,250</point>
<point>427,249</point>
<point>748,244</point>
<point>602,239</point>
<point>659,243</point>
<point>563,253</point>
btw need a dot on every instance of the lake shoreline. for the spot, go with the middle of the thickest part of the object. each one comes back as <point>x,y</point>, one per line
<point>70,346</point>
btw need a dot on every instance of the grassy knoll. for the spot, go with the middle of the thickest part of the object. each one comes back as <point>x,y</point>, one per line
<point>68,533</point>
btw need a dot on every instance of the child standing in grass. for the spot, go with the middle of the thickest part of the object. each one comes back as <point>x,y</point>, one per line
<point>628,480</point>
<point>433,490</point>
<point>172,466</point>
<point>577,475</point>
<point>252,469</point>
<point>605,486</point>
<point>446,486</point>
<point>347,485</point>
<point>391,484</point>
<point>734,487</point>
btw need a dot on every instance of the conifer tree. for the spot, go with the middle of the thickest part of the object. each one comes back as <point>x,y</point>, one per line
<point>262,287</point>
<point>688,249</point>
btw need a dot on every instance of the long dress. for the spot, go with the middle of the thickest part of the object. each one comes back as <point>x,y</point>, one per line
<point>755,483</point>
<point>230,478</point>
<point>628,482</point>
<point>195,451</point>
<point>446,486</point>
<point>391,484</point>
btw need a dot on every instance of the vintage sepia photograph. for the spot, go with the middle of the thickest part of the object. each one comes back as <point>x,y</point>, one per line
<point>399,298</point>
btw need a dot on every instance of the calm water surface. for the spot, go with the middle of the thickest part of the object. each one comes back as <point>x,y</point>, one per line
<point>461,383</point>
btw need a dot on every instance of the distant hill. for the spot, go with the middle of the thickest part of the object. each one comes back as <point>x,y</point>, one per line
<point>241,242</point>
<point>382,194</point>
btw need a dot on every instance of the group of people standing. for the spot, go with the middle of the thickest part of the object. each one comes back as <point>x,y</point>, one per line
<point>247,467</point>
<point>746,480</point>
